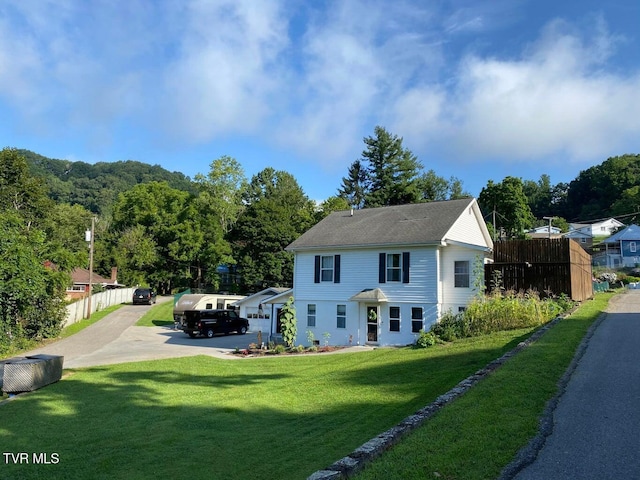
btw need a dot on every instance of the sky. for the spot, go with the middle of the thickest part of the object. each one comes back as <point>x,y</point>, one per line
<point>478,90</point>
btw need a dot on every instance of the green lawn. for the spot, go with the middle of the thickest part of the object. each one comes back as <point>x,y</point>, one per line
<point>476,436</point>
<point>158,315</point>
<point>202,417</point>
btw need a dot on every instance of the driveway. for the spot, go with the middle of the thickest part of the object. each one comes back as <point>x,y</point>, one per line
<point>116,339</point>
<point>596,423</point>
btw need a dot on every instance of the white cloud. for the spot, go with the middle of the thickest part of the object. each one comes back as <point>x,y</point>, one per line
<point>557,99</point>
<point>227,68</point>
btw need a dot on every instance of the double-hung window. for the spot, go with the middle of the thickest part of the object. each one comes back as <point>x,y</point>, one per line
<point>394,267</point>
<point>461,273</point>
<point>416,319</point>
<point>341,316</point>
<point>311,315</point>
<point>394,319</point>
<point>632,247</point>
<point>326,268</point>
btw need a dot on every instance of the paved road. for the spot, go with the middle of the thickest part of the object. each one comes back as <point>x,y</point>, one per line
<point>596,424</point>
<point>116,339</point>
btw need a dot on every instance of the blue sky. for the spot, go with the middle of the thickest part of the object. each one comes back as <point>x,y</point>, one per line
<point>477,89</point>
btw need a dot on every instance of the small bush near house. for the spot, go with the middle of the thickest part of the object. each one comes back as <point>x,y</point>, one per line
<point>426,339</point>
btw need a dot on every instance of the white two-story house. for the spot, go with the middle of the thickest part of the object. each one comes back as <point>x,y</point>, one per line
<point>380,275</point>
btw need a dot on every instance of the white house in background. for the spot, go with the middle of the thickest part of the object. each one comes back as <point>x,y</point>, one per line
<point>380,275</point>
<point>597,229</point>
<point>543,232</point>
<point>254,309</point>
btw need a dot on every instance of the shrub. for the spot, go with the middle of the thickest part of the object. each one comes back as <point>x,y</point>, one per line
<point>289,323</point>
<point>278,349</point>
<point>426,339</point>
<point>500,311</point>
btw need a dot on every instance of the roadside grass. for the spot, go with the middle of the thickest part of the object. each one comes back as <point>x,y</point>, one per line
<point>203,417</point>
<point>476,436</point>
<point>158,315</point>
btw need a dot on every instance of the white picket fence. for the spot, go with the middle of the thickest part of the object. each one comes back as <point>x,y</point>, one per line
<point>99,301</point>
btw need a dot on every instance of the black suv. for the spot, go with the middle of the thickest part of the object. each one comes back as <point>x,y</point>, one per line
<point>144,296</point>
<point>210,322</point>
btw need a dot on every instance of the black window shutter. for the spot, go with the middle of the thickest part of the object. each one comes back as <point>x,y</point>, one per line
<point>405,267</point>
<point>316,271</point>
<point>336,269</point>
<point>382,268</point>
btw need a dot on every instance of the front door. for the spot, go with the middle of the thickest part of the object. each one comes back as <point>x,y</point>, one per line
<point>372,324</point>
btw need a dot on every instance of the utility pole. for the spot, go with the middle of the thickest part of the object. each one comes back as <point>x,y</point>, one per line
<point>89,238</point>
<point>549,218</point>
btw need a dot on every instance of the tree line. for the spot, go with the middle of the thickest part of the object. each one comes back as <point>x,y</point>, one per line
<point>223,231</point>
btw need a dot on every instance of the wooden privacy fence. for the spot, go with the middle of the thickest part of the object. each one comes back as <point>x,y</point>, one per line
<point>549,266</point>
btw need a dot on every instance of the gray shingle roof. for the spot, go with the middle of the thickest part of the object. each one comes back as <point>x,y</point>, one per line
<point>420,223</point>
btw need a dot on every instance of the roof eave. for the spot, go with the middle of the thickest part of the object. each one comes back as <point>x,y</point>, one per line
<point>430,243</point>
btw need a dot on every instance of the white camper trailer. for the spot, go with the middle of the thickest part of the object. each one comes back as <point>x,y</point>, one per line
<point>202,301</point>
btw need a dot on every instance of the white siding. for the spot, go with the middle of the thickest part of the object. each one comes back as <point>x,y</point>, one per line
<point>455,297</point>
<point>467,228</point>
<point>359,271</point>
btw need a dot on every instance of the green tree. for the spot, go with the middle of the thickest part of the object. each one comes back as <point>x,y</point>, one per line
<point>65,228</point>
<point>332,204</point>
<point>221,190</point>
<point>277,212</point>
<point>539,196</point>
<point>354,185</point>
<point>20,191</point>
<point>436,188</point>
<point>592,194</point>
<point>392,171</point>
<point>507,202</point>
<point>31,288</point>
<point>167,216</point>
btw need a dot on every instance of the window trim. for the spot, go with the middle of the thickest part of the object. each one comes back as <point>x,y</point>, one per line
<point>404,267</point>
<point>326,271</point>
<point>395,320</point>
<point>311,315</point>
<point>341,315</point>
<point>415,319</point>
<point>461,279</point>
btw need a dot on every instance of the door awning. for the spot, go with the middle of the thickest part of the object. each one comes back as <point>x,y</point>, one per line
<point>374,295</point>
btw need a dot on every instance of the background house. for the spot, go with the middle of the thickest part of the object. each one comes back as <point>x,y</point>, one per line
<point>80,286</point>
<point>602,228</point>
<point>380,275</point>
<point>583,237</point>
<point>622,249</point>
<point>543,232</point>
